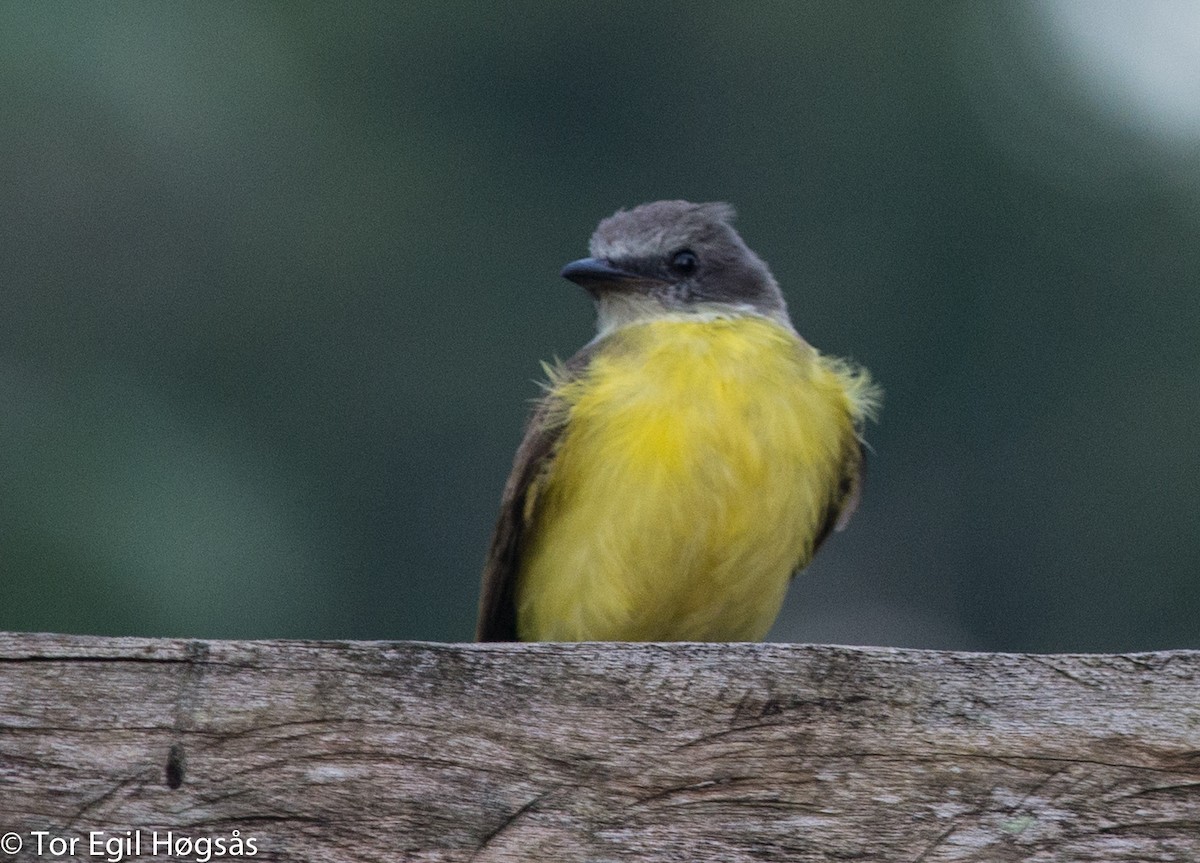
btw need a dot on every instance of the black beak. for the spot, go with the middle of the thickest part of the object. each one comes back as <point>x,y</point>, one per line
<point>596,275</point>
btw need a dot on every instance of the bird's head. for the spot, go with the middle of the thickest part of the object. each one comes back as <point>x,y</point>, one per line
<point>673,258</point>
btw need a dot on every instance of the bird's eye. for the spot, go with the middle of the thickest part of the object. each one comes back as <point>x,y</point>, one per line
<point>684,262</point>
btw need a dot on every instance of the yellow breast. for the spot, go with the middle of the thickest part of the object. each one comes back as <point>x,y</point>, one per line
<point>695,468</point>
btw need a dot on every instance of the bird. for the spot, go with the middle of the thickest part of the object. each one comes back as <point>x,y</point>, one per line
<point>688,461</point>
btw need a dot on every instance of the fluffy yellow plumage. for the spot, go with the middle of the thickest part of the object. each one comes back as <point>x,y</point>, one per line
<point>685,463</point>
<point>697,462</point>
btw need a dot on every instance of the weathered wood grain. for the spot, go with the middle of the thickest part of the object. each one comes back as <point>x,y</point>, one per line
<point>600,752</point>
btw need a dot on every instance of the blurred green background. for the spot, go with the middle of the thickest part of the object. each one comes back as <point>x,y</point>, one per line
<point>275,280</point>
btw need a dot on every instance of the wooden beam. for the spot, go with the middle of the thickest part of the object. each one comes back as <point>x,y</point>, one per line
<point>600,752</point>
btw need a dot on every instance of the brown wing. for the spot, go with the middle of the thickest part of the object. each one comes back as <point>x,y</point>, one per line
<point>497,599</point>
<point>849,490</point>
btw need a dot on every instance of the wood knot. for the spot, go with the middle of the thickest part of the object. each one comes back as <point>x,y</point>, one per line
<point>176,765</point>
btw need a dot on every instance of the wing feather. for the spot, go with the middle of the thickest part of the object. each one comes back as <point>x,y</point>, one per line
<point>497,599</point>
<point>844,501</point>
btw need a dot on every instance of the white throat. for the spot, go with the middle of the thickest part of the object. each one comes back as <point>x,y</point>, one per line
<point>617,310</point>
